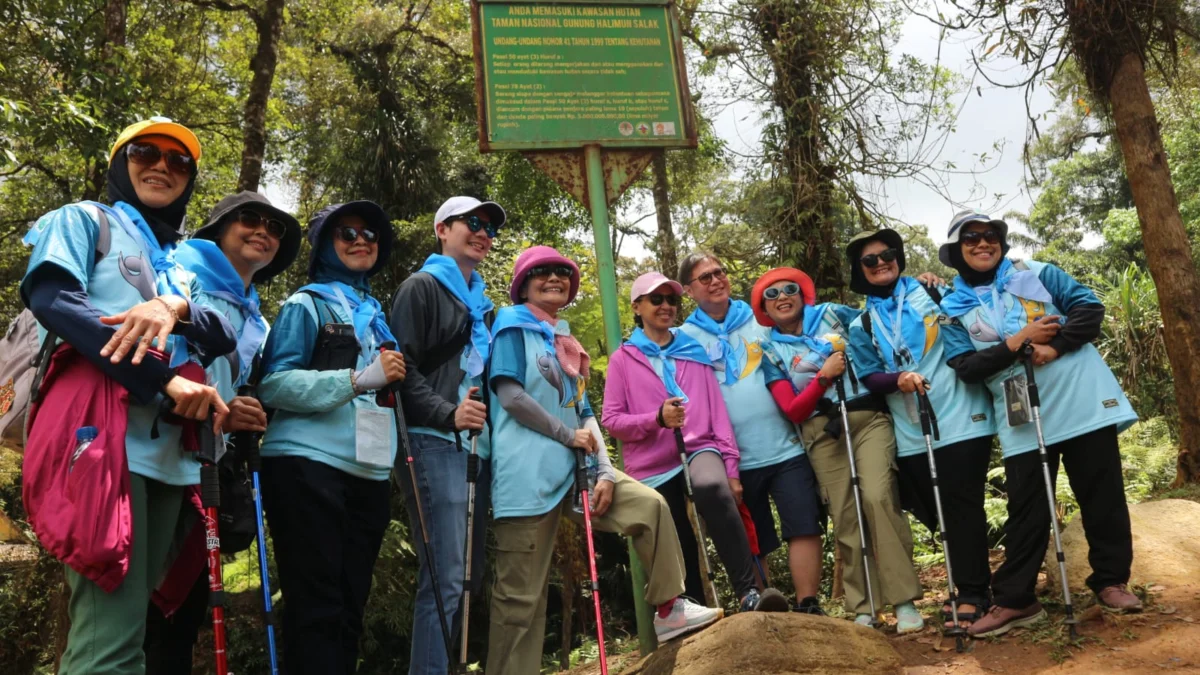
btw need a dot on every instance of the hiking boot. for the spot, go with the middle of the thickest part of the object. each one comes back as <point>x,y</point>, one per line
<point>999,620</point>
<point>1118,600</point>
<point>770,600</point>
<point>809,605</point>
<point>685,617</point>
<point>908,619</point>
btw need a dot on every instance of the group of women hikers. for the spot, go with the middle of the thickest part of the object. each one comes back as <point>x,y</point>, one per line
<point>743,405</point>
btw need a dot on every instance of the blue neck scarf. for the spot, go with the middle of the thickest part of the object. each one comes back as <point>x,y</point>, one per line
<point>519,316</point>
<point>1021,283</point>
<point>682,346</point>
<point>725,351</point>
<point>899,326</point>
<point>446,271</point>
<point>816,344</point>
<point>219,279</point>
<point>338,285</point>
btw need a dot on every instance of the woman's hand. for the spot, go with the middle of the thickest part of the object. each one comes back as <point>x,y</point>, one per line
<point>1043,354</point>
<point>193,400</point>
<point>834,366</point>
<point>141,325</point>
<point>735,486</point>
<point>246,414</point>
<point>1039,332</point>
<point>602,496</point>
<point>584,440</point>
<point>910,382</point>
<point>673,413</point>
<point>930,279</point>
<point>393,366</point>
<point>470,414</point>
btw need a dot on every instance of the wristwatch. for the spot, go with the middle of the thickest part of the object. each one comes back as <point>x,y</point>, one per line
<point>824,381</point>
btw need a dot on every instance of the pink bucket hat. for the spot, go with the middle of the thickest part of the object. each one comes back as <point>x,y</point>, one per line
<point>533,257</point>
<point>651,281</point>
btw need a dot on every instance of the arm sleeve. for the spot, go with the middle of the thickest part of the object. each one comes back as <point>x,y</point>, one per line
<point>621,422</point>
<point>970,365</point>
<point>521,406</point>
<point>288,384</point>
<point>603,463</point>
<point>797,407</point>
<point>1085,313</point>
<point>881,383</point>
<point>60,304</point>
<point>412,325</point>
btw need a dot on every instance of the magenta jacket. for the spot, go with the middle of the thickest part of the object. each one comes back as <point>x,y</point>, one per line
<point>633,393</point>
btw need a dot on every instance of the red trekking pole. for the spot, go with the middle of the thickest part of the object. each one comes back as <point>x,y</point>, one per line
<point>210,452</point>
<point>581,483</point>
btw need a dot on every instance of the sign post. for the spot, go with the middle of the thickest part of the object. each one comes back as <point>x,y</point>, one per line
<point>588,91</point>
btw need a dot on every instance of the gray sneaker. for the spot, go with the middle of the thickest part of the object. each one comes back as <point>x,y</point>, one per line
<point>685,617</point>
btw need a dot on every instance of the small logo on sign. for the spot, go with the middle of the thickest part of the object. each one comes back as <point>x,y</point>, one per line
<point>626,129</point>
<point>1111,403</point>
<point>664,128</point>
<point>643,129</point>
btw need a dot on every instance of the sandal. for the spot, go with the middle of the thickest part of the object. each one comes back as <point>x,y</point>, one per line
<point>963,617</point>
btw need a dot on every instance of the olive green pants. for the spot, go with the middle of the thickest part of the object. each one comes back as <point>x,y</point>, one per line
<point>525,547</point>
<point>107,629</point>
<point>894,580</point>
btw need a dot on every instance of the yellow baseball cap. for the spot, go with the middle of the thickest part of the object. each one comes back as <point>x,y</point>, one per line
<point>162,126</point>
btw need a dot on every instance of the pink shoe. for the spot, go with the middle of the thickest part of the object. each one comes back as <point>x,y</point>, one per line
<point>999,620</point>
<point>1119,600</point>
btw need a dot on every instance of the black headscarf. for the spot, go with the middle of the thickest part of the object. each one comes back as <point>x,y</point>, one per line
<point>969,274</point>
<point>166,221</point>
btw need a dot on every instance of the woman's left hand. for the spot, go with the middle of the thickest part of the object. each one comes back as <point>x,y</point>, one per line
<point>910,382</point>
<point>142,325</point>
<point>602,497</point>
<point>735,486</point>
<point>1043,354</point>
<point>930,279</point>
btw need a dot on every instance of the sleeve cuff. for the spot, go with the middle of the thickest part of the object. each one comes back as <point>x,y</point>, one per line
<point>731,466</point>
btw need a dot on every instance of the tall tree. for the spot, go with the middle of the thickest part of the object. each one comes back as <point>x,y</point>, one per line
<point>664,244</point>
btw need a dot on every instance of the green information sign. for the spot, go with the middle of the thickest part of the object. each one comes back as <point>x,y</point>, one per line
<point>567,75</point>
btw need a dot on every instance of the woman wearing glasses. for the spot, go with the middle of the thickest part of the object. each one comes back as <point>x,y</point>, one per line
<point>801,366</point>
<point>1001,309</point>
<point>538,372</point>
<point>330,446</point>
<point>662,380</point>
<point>899,349</point>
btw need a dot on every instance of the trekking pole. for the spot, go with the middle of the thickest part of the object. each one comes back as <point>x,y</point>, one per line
<point>472,477</point>
<point>393,392</point>
<point>687,484</point>
<point>210,452</point>
<point>1035,406</point>
<point>581,484</point>
<point>930,430</point>
<point>839,345</point>
<point>246,443</point>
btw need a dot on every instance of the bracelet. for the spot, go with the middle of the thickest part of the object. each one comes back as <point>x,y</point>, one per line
<point>174,314</point>
<point>661,422</point>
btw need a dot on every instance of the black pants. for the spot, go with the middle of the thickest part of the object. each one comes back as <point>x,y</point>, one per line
<point>1093,463</point>
<point>962,473</point>
<point>326,527</point>
<point>169,641</point>
<point>723,524</point>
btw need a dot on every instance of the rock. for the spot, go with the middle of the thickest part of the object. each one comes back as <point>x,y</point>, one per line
<point>761,643</point>
<point>1165,548</point>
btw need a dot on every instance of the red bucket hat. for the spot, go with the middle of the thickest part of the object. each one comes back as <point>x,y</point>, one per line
<point>808,290</point>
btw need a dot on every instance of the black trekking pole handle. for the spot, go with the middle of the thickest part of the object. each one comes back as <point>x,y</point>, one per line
<point>478,398</point>
<point>473,457</point>
<point>929,425</point>
<point>678,431</point>
<point>1030,382</point>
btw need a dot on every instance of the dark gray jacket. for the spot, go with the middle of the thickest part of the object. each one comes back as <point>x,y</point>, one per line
<point>426,319</point>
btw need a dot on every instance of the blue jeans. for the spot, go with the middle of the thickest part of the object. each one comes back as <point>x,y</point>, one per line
<point>442,477</point>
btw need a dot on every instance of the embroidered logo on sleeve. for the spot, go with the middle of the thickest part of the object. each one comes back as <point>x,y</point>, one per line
<point>1110,403</point>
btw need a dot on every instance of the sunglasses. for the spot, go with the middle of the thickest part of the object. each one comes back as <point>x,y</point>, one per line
<point>475,223</point>
<point>148,154</point>
<point>786,289</point>
<point>872,260</point>
<point>657,299</point>
<point>972,239</point>
<point>253,220</point>
<point>350,234</point>
<point>707,278</point>
<point>544,271</point>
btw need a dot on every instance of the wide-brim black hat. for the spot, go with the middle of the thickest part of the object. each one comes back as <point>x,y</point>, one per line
<point>372,215</point>
<point>858,280</point>
<point>289,246</point>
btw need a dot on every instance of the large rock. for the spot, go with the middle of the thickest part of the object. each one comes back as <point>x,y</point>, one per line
<point>760,643</point>
<point>1166,550</point>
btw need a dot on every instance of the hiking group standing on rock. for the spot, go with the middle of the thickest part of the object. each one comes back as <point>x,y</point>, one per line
<point>744,410</point>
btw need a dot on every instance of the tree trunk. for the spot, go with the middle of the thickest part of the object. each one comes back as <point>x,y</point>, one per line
<point>1168,252</point>
<point>269,24</point>
<point>115,14</point>
<point>668,257</point>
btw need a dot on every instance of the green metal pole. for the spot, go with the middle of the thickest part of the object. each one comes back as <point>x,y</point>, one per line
<point>598,203</point>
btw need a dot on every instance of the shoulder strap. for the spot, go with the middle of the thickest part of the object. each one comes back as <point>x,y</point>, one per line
<point>440,355</point>
<point>317,302</point>
<point>866,323</point>
<point>934,294</point>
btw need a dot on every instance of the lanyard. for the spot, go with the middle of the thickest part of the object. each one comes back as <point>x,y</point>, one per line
<point>900,350</point>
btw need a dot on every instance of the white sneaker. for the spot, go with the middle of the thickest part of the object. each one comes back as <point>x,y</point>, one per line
<point>685,617</point>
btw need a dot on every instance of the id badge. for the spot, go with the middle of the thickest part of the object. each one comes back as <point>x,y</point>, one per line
<point>1016,401</point>
<point>373,437</point>
<point>910,407</point>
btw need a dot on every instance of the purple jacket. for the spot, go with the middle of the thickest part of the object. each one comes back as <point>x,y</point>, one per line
<point>633,393</point>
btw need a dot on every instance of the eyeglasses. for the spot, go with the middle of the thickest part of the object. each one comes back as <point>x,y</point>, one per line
<point>148,154</point>
<point>253,220</point>
<point>657,299</point>
<point>786,289</point>
<point>350,234</point>
<point>707,278</point>
<point>972,239</point>
<point>872,260</point>
<point>475,224</point>
<point>544,271</point>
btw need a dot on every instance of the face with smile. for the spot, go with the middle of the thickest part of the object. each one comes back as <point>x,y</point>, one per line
<point>657,317</point>
<point>784,309</point>
<point>548,292</point>
<point>981,255</point>
<point>708,285</point>
<point>247,247</point>
<point>883,273</point>
<point>358,255</point>
<point>156,185</point>
<point>460,243</point>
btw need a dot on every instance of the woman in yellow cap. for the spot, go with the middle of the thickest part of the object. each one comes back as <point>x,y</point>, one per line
<point>102,280</point>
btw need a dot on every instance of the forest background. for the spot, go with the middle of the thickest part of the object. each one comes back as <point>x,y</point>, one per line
<point>325,101</point>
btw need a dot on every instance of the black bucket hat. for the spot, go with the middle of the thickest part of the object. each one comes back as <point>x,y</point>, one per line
<point>372,215</point>
<point>858,281</point>
<point>227,208</point>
